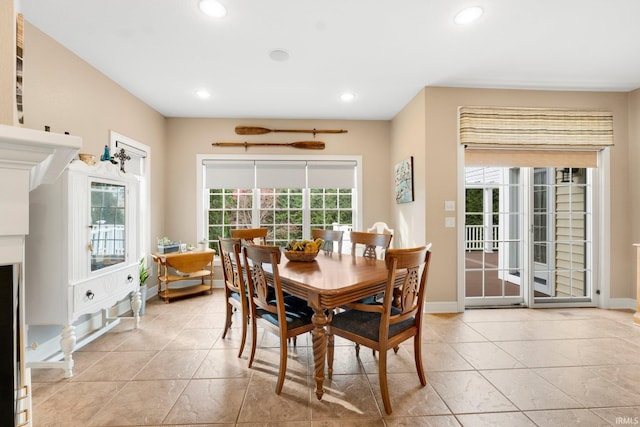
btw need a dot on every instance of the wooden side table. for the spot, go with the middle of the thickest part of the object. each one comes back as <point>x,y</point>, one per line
<point>180,266</point>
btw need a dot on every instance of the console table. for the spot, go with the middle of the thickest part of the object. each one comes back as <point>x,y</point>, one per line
<point>181,266</point>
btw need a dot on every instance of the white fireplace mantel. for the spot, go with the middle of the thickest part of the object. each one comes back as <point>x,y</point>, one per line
<point>28,158</point>
<point>45,154</point>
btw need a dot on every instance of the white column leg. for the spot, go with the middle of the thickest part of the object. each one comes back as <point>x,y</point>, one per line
<point>67,344</point>
<point>136,303</point>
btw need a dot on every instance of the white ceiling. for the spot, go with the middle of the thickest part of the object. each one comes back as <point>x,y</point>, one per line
<point>385,51</point>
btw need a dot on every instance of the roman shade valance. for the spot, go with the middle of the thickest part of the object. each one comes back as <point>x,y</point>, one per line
<point>535,128</point>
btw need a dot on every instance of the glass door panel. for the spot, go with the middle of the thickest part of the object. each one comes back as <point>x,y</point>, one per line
<point>108,214</point>
<point>570,264</point>
<point>492,237</point>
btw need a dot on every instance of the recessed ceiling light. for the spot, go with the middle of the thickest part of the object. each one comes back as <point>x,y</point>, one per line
<point>468,15</point>
<point>213,8</point>
<point>347,96</point>
<point>279,55</point>
<point>203,94</point>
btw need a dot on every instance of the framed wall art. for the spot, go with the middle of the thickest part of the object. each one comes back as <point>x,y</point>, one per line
<point>403,181</point>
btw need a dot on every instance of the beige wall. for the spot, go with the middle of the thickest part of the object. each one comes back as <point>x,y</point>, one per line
<point>441,176</point>
<point>67,94</point>
<point>634,160</point>
<point>408,133</point>
<point>187,138</point>
<point>634,175</point>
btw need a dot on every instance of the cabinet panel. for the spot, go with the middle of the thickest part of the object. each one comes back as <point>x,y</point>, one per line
<point>96,293</point>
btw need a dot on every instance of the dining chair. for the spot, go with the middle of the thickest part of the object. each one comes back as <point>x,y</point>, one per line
<point>234,286</point>
<point>286,316</point>
<point>250,235</point>
<point>329,237</point>
<point>371,242</point>
<point>382,327</point>
<point>381,228</point>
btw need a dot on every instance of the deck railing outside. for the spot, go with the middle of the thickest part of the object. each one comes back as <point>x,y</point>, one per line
<point>475,240</point>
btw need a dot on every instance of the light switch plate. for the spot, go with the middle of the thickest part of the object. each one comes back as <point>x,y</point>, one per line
<point>449,205</point>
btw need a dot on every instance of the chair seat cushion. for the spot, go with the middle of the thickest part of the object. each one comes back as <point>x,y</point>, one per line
<point>298,313</point>
<point>295,304</point>
<point>367,324</point>
<point>234,295</point>
<point>369,300</point>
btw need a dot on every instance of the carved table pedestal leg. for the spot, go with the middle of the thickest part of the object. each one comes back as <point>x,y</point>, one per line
<point>319,338</point>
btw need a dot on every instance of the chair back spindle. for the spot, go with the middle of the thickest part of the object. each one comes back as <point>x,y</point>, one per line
<point>250,235</point>
<point>329,237</point>
<point>371,241</point>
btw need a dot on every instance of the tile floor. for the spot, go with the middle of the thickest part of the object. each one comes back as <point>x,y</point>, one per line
<point>504,367</point>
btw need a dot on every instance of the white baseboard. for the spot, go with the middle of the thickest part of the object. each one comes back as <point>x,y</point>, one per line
<point>441,307</point>
<point>452,307</point>
<point>622,303</point>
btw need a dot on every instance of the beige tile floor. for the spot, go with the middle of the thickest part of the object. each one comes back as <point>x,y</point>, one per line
<point>504,367</point>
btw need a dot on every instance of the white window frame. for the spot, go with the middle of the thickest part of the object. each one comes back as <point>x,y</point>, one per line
<point>144,196</point>
<point>202,194</point>
<point>601,241</point>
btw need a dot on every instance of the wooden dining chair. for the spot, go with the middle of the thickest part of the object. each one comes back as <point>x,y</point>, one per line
<point>381,228</point>
<point>286,316</point>
<point>382,327</point>
<point>234,286</point>
<point>371,242</point>
<point>330,237</point>
<point>250,235</point>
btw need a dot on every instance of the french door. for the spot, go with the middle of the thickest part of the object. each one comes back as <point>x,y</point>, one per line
<point>528,236</point>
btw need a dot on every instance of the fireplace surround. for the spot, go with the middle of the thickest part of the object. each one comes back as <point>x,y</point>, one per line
<point>28,158</point>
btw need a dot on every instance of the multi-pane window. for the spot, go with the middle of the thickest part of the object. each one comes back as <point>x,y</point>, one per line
<point>282,211</point>
<point>329,206</point>
<point>228,208</point>
<point>317,195</point>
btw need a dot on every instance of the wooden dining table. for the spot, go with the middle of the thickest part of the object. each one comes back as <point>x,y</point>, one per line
<point>326,283</point>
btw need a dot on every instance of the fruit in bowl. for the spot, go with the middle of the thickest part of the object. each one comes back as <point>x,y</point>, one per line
<point>302,250</point>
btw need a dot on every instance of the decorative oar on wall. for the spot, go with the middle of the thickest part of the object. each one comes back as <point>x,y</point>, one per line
<point>307,145</point>
<point>255,130</point>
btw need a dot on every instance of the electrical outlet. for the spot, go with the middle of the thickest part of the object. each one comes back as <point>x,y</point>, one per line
<point>450,222</point>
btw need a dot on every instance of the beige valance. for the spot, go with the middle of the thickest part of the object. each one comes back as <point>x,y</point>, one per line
<point>484,127</point>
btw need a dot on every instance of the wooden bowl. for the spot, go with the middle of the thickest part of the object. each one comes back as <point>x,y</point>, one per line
<point>301,255</point>
<point>89,159</point>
